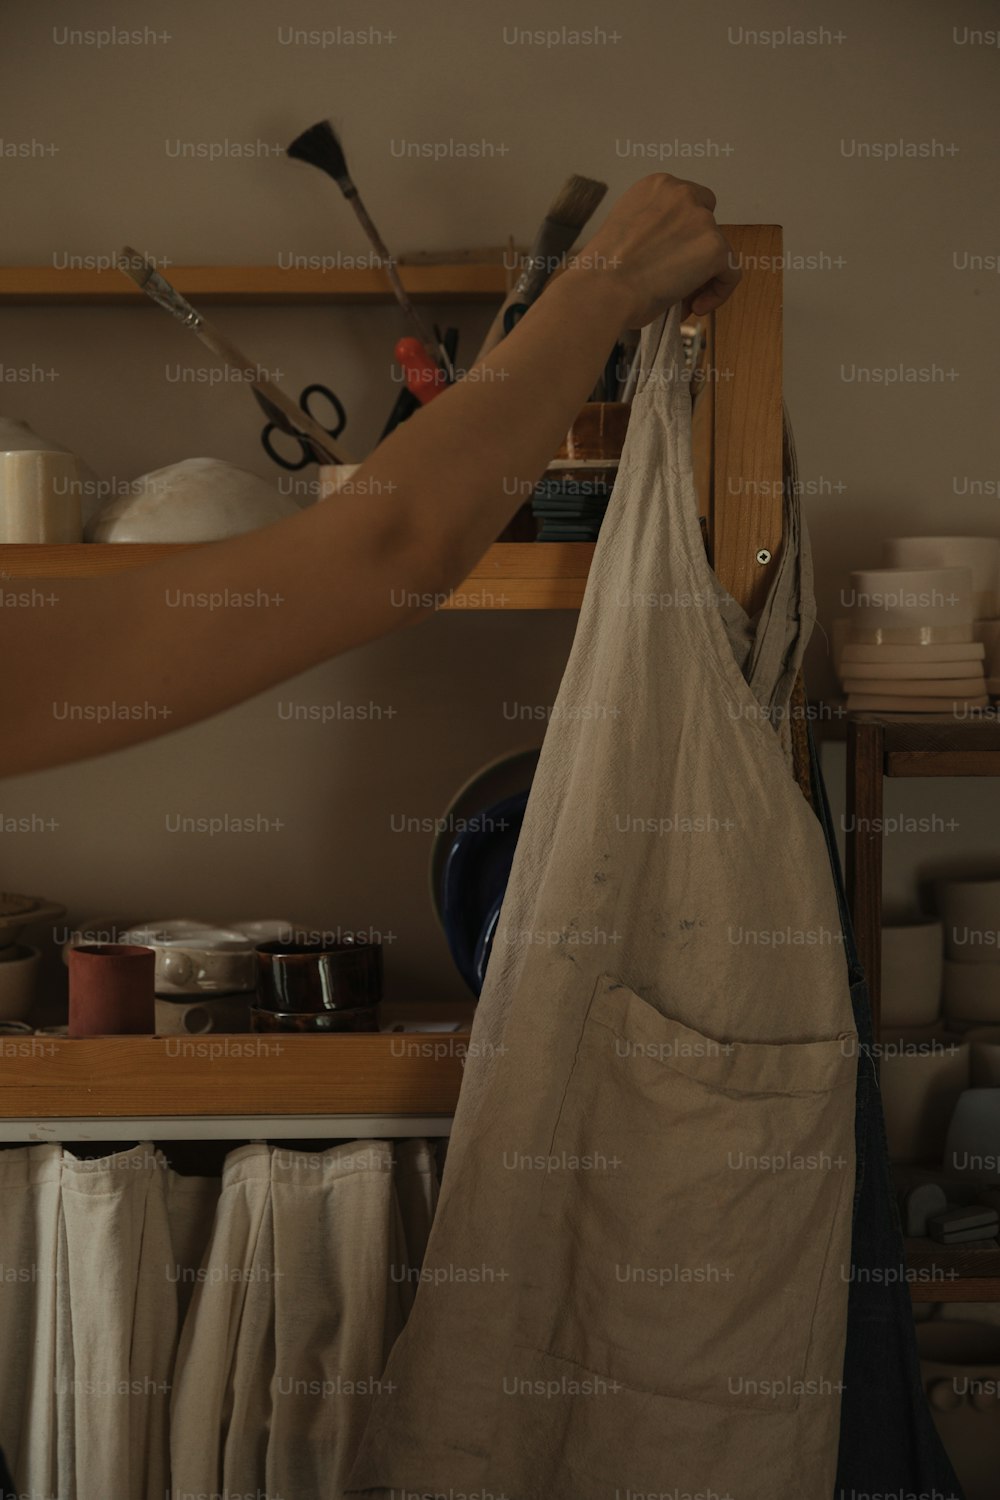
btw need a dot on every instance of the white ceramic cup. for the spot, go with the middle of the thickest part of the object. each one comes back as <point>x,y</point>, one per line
<point>970,914</point>
<point>921,1081</point>
<point>41,497</point>
<point>980,554</point>
<point>18,975</point>
<point>910,598</point>
<point>912,961</point>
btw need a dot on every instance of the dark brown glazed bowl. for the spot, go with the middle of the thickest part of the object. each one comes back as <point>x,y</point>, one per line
<point>326,1022</point>
<point>308,978</point>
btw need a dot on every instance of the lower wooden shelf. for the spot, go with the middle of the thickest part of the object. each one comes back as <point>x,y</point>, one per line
<point>953,1273</point>
<point>121,1077</point>
<point>511,575</point>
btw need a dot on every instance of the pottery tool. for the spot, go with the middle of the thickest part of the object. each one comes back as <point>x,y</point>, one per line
<point>277,407</point>
<point>320,147</point>
<point>569,211</point>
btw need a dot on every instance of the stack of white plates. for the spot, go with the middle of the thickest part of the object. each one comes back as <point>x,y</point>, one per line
<point>911,645</point>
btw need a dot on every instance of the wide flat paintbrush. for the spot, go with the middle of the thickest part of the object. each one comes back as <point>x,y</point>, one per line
<point>158,289</point>
<point>320,147</point>
<point>568,212</point>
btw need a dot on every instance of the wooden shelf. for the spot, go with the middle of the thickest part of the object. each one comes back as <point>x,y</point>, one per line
<point>512,575</point>
<point>34,286</point>
<point>914,745</point>
<point>954,1273</point>
<point>411,1073</point>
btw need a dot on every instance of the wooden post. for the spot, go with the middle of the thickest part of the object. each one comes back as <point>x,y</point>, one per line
<point>745,517</point>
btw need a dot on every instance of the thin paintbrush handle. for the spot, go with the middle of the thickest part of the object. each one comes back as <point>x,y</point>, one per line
<point>226,350</point>
<point>159,290</point>
<point>435,350</point>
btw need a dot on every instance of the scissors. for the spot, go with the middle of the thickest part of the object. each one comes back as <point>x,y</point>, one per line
<point>310,451</point>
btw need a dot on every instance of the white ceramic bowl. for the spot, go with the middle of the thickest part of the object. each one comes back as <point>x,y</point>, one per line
<point>980,554</point>
<point>970,915</point>
<point>921,1082</point>
<point>197,500</point>
<point>18,976</point>
<point>960,654</point>
<point>194,959</point>
<point>972,993</point>
<point>910,598</point>
<point>912,961</point>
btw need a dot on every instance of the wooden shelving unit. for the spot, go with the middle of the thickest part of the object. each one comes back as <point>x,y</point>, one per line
<point>342,1078</point>
<point>51,286</point>
<point>908,746</point>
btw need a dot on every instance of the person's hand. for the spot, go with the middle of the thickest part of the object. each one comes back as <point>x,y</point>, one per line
<point>662,245</point>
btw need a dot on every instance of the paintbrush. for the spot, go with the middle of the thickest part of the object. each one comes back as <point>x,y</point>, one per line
<point>158,289</point>
<point>320,147</point>
<point>567,214</point>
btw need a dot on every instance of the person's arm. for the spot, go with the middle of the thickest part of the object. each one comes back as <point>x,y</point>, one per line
<point>120,659</point>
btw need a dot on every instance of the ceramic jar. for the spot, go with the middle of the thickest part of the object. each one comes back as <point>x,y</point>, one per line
<point>111,990</point>
<point>922,1079</point>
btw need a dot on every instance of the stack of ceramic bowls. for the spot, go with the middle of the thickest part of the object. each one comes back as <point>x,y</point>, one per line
<point>204,975</point>
<point>981,555</point>
<point>330,987</point>
<point>910,646</point>
<point>971,915</point>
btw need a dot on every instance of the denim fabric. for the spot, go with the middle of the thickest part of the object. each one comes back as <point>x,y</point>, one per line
<point>888,1442</point>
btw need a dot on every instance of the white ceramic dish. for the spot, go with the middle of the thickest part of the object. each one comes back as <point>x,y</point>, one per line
<point>972,992</point>
<point>866,703</point>
<point>928,687</point>
<point>197,500</point>
<point>958,654</point>
<point>916,672</point>
<point>980,554</point>
<point>912,963</point>
<point>970,915</point>
<point>18,976</point>
<point>902,598</point>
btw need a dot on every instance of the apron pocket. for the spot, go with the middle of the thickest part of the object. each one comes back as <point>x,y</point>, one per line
<point>692,1192</point>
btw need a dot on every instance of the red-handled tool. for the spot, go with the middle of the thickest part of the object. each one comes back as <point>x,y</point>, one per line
<point>424,379</point>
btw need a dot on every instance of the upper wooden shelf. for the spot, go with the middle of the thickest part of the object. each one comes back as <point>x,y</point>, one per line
<point>512,575</point>
<point>34,286</point>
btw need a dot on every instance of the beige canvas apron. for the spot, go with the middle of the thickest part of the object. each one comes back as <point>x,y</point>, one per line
<point>636,1277</point>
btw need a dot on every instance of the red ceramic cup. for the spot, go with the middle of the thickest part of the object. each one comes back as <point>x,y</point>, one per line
<point>111,990</point>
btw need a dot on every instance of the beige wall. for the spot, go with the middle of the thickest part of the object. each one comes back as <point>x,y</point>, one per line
<point>881,460</point>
